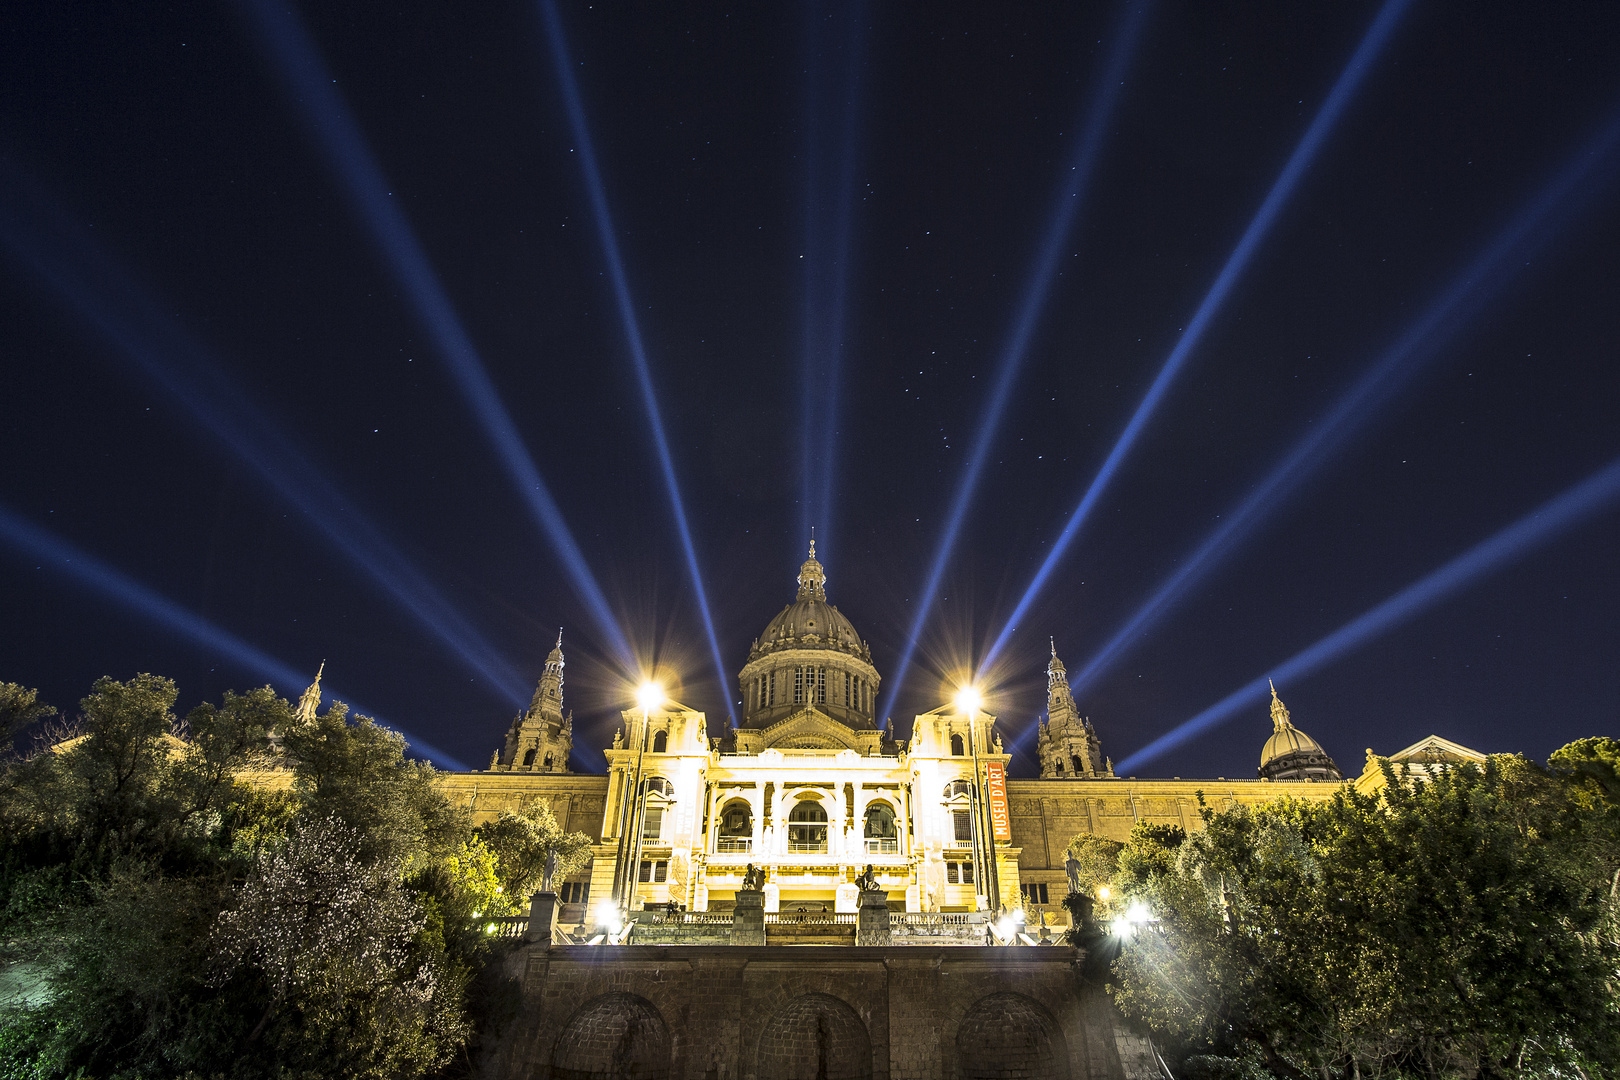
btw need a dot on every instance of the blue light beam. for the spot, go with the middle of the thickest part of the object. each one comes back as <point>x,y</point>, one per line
<point>597,191</point>
<point>1299,162</point>
<point>339,136</point>
<point>92,288</point>
<point>1546,522</point>
<point>66,559</point>
<point>826,276</point>
<point>1070,196</point>
<point>1465,297</point>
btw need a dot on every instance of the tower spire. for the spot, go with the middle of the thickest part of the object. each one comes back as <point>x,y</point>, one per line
<point>311,699</point>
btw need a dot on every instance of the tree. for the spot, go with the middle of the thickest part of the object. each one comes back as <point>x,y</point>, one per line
<point>1456,925</point>
<point>19,707</point>
<point>533,851</point>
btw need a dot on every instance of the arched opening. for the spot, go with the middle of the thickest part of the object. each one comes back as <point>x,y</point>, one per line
<point>1009,1034</point>
<point>1059,764</point>
<point>736,829</point>
<point>811,1037</point>
<point>956,746</point>
<point>528,758</point>
<point>549,760</point>
<point>1079,767</point>
<point>615,1035</point>
<point>957,805</point>
<point>807,828</point>
<point>881,836</point>
<point>661,742</point>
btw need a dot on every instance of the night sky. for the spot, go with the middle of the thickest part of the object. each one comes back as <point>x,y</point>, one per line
<point>222,386</point>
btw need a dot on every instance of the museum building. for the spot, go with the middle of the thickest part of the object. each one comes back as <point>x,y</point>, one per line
<point>809,790</point>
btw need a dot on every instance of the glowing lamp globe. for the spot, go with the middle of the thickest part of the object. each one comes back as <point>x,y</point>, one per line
<point>649,696</point>
<point>968,700</point>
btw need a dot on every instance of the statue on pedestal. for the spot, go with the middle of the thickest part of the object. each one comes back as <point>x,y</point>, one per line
<point>868,881</point>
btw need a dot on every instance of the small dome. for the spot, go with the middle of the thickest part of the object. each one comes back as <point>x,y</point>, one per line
<point>1290,754</point>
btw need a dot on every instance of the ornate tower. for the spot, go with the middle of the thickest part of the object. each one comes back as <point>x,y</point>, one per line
<point>541,736</point>
<point>1067,746</point>
<point>1290,754</point>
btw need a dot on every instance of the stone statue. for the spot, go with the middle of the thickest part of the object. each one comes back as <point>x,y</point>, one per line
<point>1072,865</point>
<point>998,743</point>
<point>753,878</point>
<point>868,881</point>
<point>618,739</point>
<point>549,871</point>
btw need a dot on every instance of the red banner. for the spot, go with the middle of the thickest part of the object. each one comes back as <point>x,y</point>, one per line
<point>1000,821</point>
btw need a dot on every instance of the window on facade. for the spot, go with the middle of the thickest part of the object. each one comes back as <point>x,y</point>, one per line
<point>962,826</point>
<point>957,787</point>
<point>770,693</point>
<point>1035,892</point>
<point>646,872</point>
<point>661,870</point>
<point>807,827</point>
<point>848,686</point>
<point>548,761</point>
<point>576,892</point>
<point>821,686</point>
<point>657,785</point>
<point>528,758</point>
<point>652,826</point>
<point>736,831</point>
<point>1078,767</point>
<point>1059,764</point>
<point>951,873</point>
<point>956,746</point>
<point>967,873</point>
<point>798,685</point>
<point>879,822</point>
<point>660,742</point>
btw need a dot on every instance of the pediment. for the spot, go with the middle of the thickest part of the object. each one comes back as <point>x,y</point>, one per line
<point>810,729</point>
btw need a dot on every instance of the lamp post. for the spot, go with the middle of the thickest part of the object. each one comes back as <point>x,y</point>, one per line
<point>968,702</point>
<point>632,808</point>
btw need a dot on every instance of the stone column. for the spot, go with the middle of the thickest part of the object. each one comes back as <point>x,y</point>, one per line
<point>872,923</point>
<point>542,916</point>
<point>748,918</point>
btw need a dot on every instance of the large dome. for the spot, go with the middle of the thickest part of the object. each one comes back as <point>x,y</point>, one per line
<point>809,654</point>
<point>1290,754</point>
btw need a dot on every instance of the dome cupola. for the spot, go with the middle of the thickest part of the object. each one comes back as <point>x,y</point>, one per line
<point>809,654</point>
<point>1290,754</point>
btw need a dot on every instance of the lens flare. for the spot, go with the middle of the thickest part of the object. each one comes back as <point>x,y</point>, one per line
<point>64,558</point>
<point>87,282</point>
<point>969,701</point>
<point>338,134</point>
<point>597,191</point>
<point>1535,225</point>
<point>1584,500</point>
<point>1299,162</point>
<point>1071,195</point>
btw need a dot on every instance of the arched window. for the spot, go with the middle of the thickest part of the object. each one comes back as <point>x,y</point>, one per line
<point>528,758</point>
<point>957,788</point>
<point>548,761</point>
<point>657,785</point>
<point>1059,765</point>
<point>736,830</point>
<point>807,828</point>
<point>881,838</point>
<point>660,742</point>
<point>956,746</point>
<point>1078,767</point>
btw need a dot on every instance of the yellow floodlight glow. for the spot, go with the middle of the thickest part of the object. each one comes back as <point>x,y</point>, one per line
<point>969,700</point>
<point>1104,892</point>
<point>649,695</point>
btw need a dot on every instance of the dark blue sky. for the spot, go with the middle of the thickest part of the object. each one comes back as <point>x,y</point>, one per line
<point>214,378</point>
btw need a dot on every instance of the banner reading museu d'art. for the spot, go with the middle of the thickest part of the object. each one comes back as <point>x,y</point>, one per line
<point>1000,822</point>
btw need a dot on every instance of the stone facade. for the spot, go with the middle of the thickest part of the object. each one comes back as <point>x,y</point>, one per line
<point>740,1013</point>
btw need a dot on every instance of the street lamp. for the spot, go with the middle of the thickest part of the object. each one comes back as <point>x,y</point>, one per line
<point>650,696</point>
<point>968,702</point>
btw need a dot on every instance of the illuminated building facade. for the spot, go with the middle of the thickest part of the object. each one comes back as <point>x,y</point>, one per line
<point>809,790</point>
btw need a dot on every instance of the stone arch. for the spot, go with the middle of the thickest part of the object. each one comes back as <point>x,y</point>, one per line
<point>811,1037</point>
<point>1008,1034</point>
<point>615,1036</point>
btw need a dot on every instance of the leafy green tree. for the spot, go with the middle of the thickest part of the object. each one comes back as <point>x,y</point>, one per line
<point>526,844</point>
<point>19,707</point>
<point>1098,857</point>
<point>1460,925</point>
